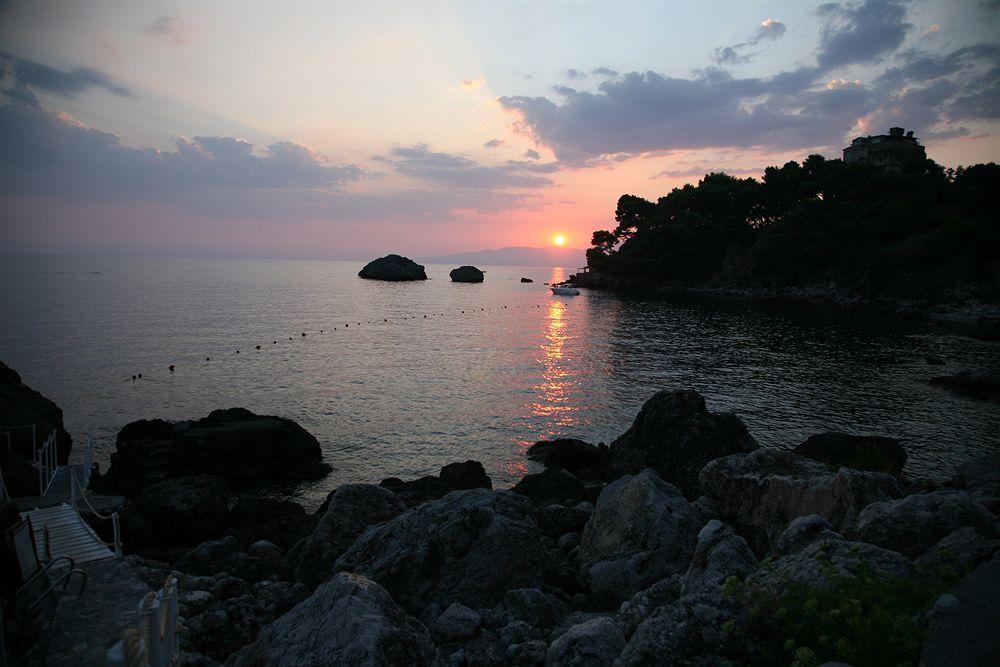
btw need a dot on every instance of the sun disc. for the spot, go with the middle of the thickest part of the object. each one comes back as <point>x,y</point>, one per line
<point>559,239</point>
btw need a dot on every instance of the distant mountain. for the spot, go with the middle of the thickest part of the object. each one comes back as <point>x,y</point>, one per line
<point>521,256</point>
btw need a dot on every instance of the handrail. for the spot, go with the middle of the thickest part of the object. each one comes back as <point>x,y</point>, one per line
<point>155,642</point>
<point>76,492</point>
<point>64,580</point>
<point>43,570</point>
<point>4,495</point>
<point>47,459</point>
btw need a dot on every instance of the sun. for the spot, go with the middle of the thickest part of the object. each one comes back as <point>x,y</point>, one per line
<point>559,240</point>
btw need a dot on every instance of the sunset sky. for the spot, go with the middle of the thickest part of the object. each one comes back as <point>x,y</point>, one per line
<point>327,130</point>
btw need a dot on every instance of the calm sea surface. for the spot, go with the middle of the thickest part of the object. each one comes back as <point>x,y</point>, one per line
<point>414,382</point>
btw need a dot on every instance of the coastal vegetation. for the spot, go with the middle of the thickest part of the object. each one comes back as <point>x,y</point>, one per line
<point>919,232</point>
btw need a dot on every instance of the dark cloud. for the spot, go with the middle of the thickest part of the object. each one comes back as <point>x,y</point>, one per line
<point>605,71</point>
<point>456,171</point>
<point>23,78</point>
<point>769,30</point>
<point>532,154</point>
<point>575,74</point>
<point>494,143</point>
<point>175,29</point>
<point>860,33</point>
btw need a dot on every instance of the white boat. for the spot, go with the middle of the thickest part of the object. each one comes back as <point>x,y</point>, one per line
<point>564,291</point>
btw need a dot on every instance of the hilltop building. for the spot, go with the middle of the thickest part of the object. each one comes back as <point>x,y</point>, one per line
<point>891,150</point>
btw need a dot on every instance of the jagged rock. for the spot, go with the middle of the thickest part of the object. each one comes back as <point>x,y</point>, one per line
<point>350,510</point>
<point>553,486</point>
<point>537,609</point>
<point>281,522</point>
<point>227,626</point>
<point>465,475</point>
<point>958,552</point>
<point>981,385</point>
<point>569,541</point>
<point>802,532</point>
<point>20,405</point>
<point>456,623</point>
<point>185,511</point>
<point>245,449</point>
<point>642,530</point>
<point>676,435</point>
<point>691,631</point>
<point>453,477</point>
<point>915,523</point>
<point>527,654</point>
<point>761,492</point>
<point>720,554</point>
<point>863,452</point>
<point>527,280</point>
<point>266,552</point>
<point>469,547</point>
<point>981,478</point>
<point>594,643</point>
<point>962,631</point>
<point>223,555</point>
<point>466,274</point>
<point>556,520</point>
<point>640,606</point>
<point>575,456</point>
<point>822,562</point>
<point>393,268</point>
<point>349,620</point>
<point>277,597</point>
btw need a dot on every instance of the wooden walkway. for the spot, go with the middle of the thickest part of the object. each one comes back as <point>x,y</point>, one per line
<point>69,535</point>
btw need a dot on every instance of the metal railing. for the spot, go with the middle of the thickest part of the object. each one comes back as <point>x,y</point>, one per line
<point>7,433</point>
<point>154,643</point>
<point>4,494</point>
<point>47,460</point>
<point>76,492</point>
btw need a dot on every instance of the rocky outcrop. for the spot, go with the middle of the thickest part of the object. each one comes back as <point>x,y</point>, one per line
<point>20,405</point>
<point>676,435</point>
<point>981,478</point>
<point>223,555</point>
<point>453,477</point>
<point>283,523</point>
<point>349,620</point>
<point>642,530</point>
<point>466,274</point>
<point>572,455</point>
<point>594,643</point>
<point>958,552</point>
<point>720,554</point>
<point>763,491</point>
<point>981,385</point>
<point>692,631</point>
<point>554,486</point>
<point>915,523</point>
<point>802,532</point>
<point>527,280</point>
<point>962,628</point>
<point>350,510</point>
<point>186,511</point>
<point>245,449</point>
<point>469,547</point>
<point>863,452</point>
<point>394,268</point>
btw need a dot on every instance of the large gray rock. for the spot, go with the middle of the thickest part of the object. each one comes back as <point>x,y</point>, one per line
<point>185,511</point>
<point>469,547</point>
<point>761,492</point>
<point>676,435</point>
<point>720,554</point>
<point>457,622</point>
<point>802,532</point>
<point>245,449</point>
<point>691,631</point>
<point>642,530</point>
<point>534,607</point>
<point>349,620</point>
<point>915,523</point>
<point>575,456</point>
<point>641,606</point>
<point>863,452</point>
<point>466,274</point>
<point>350,510</point>
<point>226,626</point>
<point>223,555</point>
<point>394,268</point>
<point>963,627</point>
<point>958,552</point>
<point>981,478</point>
<point>594,643</point>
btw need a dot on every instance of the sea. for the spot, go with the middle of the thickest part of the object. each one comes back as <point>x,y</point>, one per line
<point>399,379</point>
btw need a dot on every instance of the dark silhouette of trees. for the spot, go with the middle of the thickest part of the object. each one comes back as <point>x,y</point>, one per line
<point>918,232</point>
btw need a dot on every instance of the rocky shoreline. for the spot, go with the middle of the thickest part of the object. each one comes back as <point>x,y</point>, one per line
<point>683,542</point>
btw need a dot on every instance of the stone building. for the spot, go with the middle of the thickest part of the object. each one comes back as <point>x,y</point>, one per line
<point>891,150</point>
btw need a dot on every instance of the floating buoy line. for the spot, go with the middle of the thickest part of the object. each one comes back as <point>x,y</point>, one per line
<point>171,367</point>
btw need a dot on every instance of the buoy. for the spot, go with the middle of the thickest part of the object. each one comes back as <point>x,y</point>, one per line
<point>274,342</point>
<point>208,358</point>
<point>140,376</point>
<point>385,320</point>
<point>258,347</point>
<point>237,351</point>
<point>425,317</point>
<point>346,325</point>
<point>133,378</point>
<point>171,368</point>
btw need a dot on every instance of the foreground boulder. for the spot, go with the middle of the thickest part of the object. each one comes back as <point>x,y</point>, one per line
<point>962,629</point>
<point>466,274</point>
<point>915,523</point>
<point>393,268</point>
<point>694,630</point>
<point>20,405</point>
<point>572,455</point>
<point>593,643</point>
<point>351,509</point>
<point>863,452</point>
<point>245,449</point>
<point>469,547</point>
<point>554,486</point>
<point>185,511</point>
<point>676,435</point>
<point>642,530</point>
<point>282,523</point>
<point>763,491</point>
<point>458,476</point>
<point>981,478</point>
<point>347,621</point>
<point>720,554</point>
